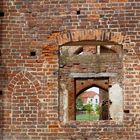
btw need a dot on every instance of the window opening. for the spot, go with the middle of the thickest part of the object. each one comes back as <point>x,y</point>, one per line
<point>90,61</point>
<point>92,104</point>
<point>96,100</point>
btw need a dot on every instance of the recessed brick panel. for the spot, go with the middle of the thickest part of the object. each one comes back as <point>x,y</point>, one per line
<point>24,104</point>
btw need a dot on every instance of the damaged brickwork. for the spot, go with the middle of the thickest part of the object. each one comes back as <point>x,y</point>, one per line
<point>36,87</point>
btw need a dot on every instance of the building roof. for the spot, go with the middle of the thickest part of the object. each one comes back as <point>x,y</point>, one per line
<point>88,94</point>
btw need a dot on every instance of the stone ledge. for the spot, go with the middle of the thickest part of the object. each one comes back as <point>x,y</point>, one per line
<point>92,75</point>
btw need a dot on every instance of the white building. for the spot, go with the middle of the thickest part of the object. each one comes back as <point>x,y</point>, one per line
<point>90,97</point>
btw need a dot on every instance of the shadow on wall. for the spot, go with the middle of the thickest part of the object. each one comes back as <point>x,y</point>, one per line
<point>3,72</point>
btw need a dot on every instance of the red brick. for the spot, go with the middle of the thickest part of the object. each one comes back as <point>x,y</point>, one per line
<point>30,102</point>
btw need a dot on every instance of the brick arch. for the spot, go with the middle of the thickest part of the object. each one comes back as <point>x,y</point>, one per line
<point>24,89</point>
<point>60,38</point>
<point>26,74</point>
<point>89,85</point>
<point>91,34</point>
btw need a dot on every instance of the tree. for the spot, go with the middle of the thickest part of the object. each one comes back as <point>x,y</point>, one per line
<point>79,104</point>
<point>97,109</point>
<point>89,108</point>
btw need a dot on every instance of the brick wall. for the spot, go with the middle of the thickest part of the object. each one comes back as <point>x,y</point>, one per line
<point>42,26</point>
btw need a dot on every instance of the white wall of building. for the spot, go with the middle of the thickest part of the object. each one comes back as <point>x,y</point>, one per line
<point>93,100</point>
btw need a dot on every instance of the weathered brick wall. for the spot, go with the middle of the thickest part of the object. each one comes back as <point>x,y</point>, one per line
<point>42,25</point>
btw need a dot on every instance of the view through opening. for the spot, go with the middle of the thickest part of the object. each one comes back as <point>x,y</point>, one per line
<point>92,104</point>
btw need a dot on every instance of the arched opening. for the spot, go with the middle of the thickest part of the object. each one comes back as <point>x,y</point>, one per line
<point>92,99</point>
<point>88,105</point>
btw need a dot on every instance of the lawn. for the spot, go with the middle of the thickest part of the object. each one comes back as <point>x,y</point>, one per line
<point>87,117</point>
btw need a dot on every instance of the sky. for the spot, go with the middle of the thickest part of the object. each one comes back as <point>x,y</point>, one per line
<point>95,89</point>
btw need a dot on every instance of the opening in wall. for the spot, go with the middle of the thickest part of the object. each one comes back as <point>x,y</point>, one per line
<point>92,103</point>
<point>90,64</point>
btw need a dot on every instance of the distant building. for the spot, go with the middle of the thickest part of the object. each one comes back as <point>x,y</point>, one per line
<point>90,96</point>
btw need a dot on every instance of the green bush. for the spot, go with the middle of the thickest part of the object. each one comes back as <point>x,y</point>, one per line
<point>88,107</point>
<point>79,104</point>
<point>97,109</point>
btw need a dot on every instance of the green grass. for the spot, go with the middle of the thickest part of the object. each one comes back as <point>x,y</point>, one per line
<point>87,117</point>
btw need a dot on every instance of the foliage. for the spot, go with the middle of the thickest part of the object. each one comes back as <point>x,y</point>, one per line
<point>97,108</point>
<point>89,108</point>
<point>79,104</point>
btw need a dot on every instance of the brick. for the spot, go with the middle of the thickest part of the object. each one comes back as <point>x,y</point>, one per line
<point>30,107</point>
